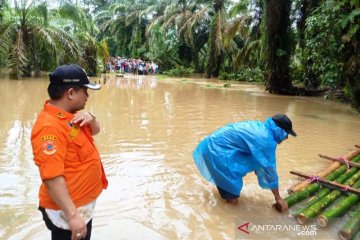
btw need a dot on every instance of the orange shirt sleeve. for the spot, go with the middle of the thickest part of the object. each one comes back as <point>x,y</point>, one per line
<point>49,148</point>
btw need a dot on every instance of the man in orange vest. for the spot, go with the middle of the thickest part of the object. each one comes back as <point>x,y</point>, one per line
<point>69,164</point>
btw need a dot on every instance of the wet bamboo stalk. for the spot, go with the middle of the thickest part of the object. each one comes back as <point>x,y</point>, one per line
<point>314,187</point>
<point>339,208</point>
<point>324,172</point>
<point>317,207</point>
<point>323,192</point>
<point>351,226</point>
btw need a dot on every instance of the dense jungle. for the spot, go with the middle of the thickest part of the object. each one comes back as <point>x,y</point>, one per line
<point>298,47</point>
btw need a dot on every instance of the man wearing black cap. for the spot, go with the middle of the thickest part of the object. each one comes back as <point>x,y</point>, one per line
<point>228,154</point>
<point>69,164</point>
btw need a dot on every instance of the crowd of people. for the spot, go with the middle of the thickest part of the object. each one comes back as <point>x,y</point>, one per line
<point>134,66</point>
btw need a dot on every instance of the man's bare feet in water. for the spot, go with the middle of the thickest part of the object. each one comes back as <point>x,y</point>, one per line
<point>232,201</point>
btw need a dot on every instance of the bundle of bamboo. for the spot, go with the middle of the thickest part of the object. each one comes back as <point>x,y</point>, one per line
<point>326,171</point>
<point>322,203</point>
<point>340,208</point>
<point>336,190</point>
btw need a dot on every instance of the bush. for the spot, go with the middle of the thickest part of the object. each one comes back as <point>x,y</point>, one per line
<point>244,74</point>
<point>179,71</point>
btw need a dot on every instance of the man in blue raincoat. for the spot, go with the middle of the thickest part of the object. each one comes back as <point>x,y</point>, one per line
<point>228,154</point>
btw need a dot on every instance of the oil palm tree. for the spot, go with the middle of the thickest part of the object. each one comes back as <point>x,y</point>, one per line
<point>242,38</point>
<point>216,50</point>
<point>82,27</point>
<point>27,34</point>
<point>278,46</point>
<point>126,21</point>
<point>188,20</point>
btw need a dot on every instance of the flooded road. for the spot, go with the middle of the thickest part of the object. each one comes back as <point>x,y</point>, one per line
<point>150,127</point>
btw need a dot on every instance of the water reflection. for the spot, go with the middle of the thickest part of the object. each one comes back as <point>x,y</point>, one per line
<point>149,130</point>
<point>130,81</point>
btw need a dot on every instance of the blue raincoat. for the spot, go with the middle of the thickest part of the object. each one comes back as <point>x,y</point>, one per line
<point>229,153</point>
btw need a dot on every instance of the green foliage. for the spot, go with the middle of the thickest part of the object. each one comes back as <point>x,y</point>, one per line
<point>136,44</point>
<point>179,71</point>
<point>227,84</point>
<point>163,49</point>
<point>29,41</point>
<point>330,56</point>
<point>244,74</point>
<point>322,48</point>
<point>349,22</point>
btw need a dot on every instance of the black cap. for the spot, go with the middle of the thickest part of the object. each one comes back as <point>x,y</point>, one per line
<point>284,122</point>
<point>71,74</point>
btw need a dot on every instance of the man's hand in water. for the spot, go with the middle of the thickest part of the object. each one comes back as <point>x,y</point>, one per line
<point>281,205</point>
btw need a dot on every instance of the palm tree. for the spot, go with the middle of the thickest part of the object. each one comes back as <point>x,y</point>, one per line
<point>163,48</point>
<point>217,25</point>
<point>187,21</point>
<point>242,38</point>
<point>278,46</point>
<point>27,34</point>
<point>83,28</point>
<point>126,22</point>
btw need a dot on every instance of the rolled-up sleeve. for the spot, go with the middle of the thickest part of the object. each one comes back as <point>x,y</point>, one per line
<point>49,152</point>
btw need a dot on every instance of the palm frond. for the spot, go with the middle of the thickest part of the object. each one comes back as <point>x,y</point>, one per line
<point>7,32</point>
<point>18,59</point>
<point>169,22</point>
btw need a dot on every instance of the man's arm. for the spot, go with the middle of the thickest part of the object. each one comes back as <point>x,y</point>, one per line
<point>281,205</point>
<point>94,125</point>
<point>58,192</point>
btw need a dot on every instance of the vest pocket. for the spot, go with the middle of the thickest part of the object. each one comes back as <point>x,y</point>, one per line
<point>84,148</point>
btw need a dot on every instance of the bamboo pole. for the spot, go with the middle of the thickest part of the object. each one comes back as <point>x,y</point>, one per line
<point>317,207</point>
<point>339,208</point>
<point>324,172</point>
<point>340,160</point>
<point>312,189</point>
<point>331,184</point>
<point>351,226</point>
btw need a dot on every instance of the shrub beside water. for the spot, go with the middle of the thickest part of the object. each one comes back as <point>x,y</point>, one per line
<point>179,71</point>
<point>244,74</point>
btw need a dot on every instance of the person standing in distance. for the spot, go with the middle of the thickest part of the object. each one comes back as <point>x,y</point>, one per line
<point>64,150</point>
<point>228,154</point>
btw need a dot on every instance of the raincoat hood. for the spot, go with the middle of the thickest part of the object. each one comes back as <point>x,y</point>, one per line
<point>279,133</point>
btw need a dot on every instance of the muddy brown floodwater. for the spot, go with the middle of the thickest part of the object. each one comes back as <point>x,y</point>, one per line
<point>150,126</point>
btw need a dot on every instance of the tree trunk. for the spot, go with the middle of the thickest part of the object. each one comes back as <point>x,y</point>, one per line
<point>213,63</point>
<point>278,46</point>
